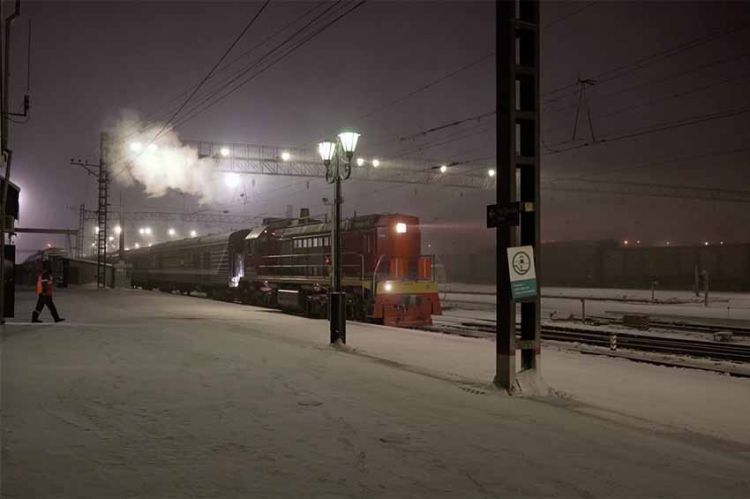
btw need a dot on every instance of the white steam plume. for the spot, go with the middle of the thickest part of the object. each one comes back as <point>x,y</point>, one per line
<point>161,163</point>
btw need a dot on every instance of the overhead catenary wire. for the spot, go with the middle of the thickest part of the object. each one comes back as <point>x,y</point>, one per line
<point>200,84</point>
<point>446,140</point>
<point>213,68</point>
<point>675,95</point>
<point>426,86</point>
<point>397,139</point>
<point>638,132</point>
<point>229,64</point>
<point>452,124</point>
<point>561,106</point>
<point>213,100</point>
<point>619,71</point>
<point>567,16</point>
<point>652,164</point>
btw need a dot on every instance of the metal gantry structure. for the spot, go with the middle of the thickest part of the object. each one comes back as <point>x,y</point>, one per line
<point>255,159</point>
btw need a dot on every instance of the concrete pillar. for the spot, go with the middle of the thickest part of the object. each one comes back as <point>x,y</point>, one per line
<point>122,279</point>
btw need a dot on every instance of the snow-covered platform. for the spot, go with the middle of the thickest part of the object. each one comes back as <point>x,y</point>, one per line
<point>143,394</point>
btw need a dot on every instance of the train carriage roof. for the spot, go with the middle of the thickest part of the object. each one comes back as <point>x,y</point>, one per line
<point>363,222</point>
<point>189,243</point>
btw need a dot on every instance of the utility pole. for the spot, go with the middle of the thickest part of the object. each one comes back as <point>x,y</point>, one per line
<point>121,235</point>
<point>518,185</point>
<point>5,151</point>
<point>583,102</point>
<point>81,227</point>
<point>102,213</point>
<point>101,171</point>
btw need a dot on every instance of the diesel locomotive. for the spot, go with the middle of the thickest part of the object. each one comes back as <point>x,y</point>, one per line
<point>286,263</point>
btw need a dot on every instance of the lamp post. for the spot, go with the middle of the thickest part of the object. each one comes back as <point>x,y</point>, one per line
<point>331,153</point>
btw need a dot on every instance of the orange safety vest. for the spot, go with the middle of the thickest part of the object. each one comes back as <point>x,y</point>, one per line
<point>40,285</point>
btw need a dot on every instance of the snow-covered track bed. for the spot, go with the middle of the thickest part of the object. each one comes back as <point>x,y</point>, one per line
<point>624,340</point>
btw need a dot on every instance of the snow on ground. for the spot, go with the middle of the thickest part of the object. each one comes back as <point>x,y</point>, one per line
<point>143,394</point>
<point>727,308</point>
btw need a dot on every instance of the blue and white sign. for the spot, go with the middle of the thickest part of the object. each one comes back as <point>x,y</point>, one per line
<point>522,272</point>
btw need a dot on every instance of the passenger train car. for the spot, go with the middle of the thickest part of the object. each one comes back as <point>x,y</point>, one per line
<point>285,263</point>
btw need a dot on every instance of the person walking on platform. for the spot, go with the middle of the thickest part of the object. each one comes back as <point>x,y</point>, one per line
<point>44,287</point>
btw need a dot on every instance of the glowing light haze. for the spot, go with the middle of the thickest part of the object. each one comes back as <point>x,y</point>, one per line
<point>165,164</point>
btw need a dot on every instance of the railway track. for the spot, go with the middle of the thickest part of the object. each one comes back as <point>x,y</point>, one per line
<point>630,341</point>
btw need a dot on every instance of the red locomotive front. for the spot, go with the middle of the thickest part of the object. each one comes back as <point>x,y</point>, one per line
<point>386,278</point>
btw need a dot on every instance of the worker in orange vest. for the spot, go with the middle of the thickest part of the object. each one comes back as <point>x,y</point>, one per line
<point>44,287</point>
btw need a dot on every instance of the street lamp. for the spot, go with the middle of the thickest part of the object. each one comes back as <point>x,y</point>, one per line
<point>172,232</point>
<point>342,149</point>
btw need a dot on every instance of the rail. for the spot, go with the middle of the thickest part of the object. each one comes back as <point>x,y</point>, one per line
<point>649,343</point>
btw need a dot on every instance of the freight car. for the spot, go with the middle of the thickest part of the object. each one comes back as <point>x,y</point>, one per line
<point>285,263</point>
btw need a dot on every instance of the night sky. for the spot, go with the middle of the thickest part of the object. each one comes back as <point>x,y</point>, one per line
<point>94,61</point>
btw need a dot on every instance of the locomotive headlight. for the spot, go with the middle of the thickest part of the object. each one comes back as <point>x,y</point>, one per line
<point>388,287</point>
<point>401,228</point>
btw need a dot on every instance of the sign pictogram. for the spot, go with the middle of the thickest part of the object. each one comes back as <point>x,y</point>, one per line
<point>522,272</point>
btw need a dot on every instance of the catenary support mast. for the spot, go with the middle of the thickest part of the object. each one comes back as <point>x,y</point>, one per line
<point>518,181</point>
